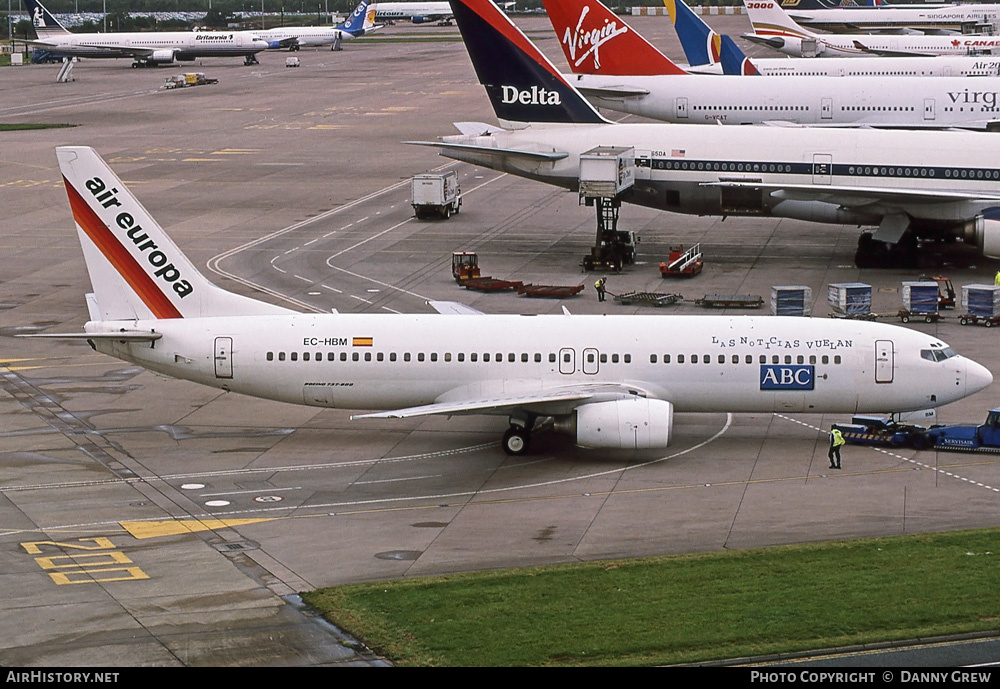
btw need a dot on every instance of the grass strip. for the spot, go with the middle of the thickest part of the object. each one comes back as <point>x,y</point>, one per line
<point>681,608</point>
<point>15,127</point>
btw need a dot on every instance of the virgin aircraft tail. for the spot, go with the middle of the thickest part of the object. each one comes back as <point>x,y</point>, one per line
<point>596,41</point>
<point>137,272</point>
<point>522,84</point>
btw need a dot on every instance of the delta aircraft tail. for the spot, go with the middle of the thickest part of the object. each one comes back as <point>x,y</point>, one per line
<point>45,24</point>
<point>137,272</point>
<point>702,46</point>
<point>522,84</point>
<point>597,41</point>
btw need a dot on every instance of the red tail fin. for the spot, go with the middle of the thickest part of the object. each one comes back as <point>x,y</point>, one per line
<point>596,41</point>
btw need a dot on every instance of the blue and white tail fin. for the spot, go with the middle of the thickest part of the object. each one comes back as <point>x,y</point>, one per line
<point>362,20</point>
<point>734,60</point>
<point>45,24</point>
<point>523,86</point>
<point>702,46</point>
<point>137,272</point>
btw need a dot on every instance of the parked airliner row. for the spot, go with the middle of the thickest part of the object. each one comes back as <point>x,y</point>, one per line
<point>772,27</point>
<point>616,68</point>
<point>703,47</point>
<point>145,48</point>
<point>608,381</point>
<point>927,183</point>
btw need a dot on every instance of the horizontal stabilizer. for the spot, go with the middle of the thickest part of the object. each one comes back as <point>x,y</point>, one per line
<point>454,308</point>
<point>493,151</point>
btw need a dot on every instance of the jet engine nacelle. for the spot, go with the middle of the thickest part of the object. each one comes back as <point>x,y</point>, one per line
<point>984,232</point>
<point>161,56</point>
<point>419,19</point>
<point>632,424</point>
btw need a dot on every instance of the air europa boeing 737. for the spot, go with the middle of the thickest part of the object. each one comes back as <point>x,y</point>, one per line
<point>616,68</point>
<point>910,184</point>
<point>608,381</point>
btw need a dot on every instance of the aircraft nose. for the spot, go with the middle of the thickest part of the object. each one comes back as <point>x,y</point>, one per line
<point>977,377</point>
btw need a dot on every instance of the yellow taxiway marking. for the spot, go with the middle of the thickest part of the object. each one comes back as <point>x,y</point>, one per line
<point>200,160</point>
<point>235,151</point>
<point>140,530</point>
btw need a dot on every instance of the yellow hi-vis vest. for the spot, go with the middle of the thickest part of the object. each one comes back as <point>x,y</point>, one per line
<point>838,438</point>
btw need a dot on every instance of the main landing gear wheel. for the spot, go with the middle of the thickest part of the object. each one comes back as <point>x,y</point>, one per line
<point>515,441</point>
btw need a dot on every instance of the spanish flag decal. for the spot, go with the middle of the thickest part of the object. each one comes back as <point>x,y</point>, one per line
<point>363,341</point>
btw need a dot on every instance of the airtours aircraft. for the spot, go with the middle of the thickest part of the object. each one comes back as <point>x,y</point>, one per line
<point>608,381</point>
<point>617,68</point>
<point>929,184</point>
<point>145,47</point>
<point>775,29</point>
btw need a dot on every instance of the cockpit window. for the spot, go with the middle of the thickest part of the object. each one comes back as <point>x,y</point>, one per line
<point>937,354</point>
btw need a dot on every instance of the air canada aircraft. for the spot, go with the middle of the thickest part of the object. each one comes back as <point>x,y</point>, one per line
<point>703,50</point>
<point>608,381</point>
<point>145,48</point>
<point>617,68</point>
<point>360,23</point>
<point>772,27</point>
<point>935,185</point>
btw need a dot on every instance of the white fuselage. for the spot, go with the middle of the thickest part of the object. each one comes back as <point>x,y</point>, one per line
<point>930,66</point>
<point>694,169</point>
<point>305,36</point>
<point>410,10</point>
<point>182,45</point>
<point>861,101</point>
<point>697,363</point>
<point>865,45</point>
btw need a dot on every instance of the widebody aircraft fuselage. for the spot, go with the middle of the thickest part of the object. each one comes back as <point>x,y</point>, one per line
<point>697,363</point>
<point>913,102</point>
<point>968,18</point>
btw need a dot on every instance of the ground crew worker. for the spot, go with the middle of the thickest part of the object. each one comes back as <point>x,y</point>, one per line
<point>996,279</point>
<point>599,286</point>
<point>836,442</point>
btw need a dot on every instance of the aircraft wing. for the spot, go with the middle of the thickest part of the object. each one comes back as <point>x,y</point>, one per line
<point>612,91</point>
<point>552,402</point>
<point>124,335</point>
<point>857,197</point>
<point>889,53</point>
<point>494,151</point>
<point>454,308</point>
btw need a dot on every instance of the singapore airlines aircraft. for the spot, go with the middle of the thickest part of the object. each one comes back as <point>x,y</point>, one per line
<point>361,22</point>
<point>973,17</point>
<point>609,381</point>
<point>146,47</point>
<point>616,68</point>
<point>703,50</point>
<point>911,184</point>
<point>775,29</point>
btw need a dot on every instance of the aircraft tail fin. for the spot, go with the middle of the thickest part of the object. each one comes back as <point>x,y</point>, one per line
<point>522,84</point>
<point>137,272</point>
<point>43,21</point>
<point>702,46</point>
<point>359,21</point>
<point>734,60</point>
<point>597,41</point>
<point>768,19</point>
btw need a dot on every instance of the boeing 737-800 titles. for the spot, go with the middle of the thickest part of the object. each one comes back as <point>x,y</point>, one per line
<point>145,48</point>
<point>616,68</point>
<point>910,184</point>
<point>608,381</point>
<point>772,27</point>
<point>703,50</point>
